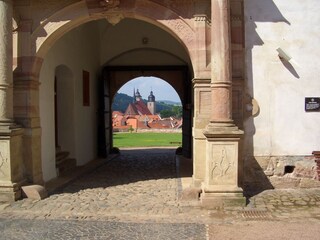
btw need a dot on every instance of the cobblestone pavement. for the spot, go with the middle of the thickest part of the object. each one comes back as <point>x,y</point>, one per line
<point>64,230</point>
<point>135,196</point>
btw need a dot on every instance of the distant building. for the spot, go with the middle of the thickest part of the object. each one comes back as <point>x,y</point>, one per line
<point>152,103</point>
<point>138,115</point>
<point>138,107</point>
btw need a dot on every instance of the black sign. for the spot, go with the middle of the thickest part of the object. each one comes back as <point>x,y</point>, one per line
<point>312,104</point>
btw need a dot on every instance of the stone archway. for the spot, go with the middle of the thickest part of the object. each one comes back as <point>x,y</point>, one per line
<point>59,23</point>
<point>177,76</point>
<point>189,23</point>
<point>76,14</point>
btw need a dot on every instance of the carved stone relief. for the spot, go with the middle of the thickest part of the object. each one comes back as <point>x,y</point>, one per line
<point>222,166</point>
<point>109,4</point>
<point>114,18</point>
<point>182,29</point>
<point>183,7</point>
<point>4,165</point>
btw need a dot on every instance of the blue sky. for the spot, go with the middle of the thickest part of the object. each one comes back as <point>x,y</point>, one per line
<point>161,89</point>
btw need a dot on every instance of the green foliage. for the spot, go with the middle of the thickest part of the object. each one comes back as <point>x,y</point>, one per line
<point>131,129</point>
<point>121,102</point>
<point>160,106</point>
<point>166,113</point>
<point>146,139</point>
<point>175,111</point>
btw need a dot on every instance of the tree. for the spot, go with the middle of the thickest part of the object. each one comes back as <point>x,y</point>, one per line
<point>130,129</point>
<point>177,111</point>
<point>166,113</point>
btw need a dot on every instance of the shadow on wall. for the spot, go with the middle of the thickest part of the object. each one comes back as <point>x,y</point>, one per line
<point>255,180</point>
<point>290,68</point>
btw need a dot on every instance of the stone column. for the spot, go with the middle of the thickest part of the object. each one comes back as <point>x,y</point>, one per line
<point>201,92</point>
<point>221,80</point>
<point>10,135</point>
<point>221,185</point>
<point>6,107</point>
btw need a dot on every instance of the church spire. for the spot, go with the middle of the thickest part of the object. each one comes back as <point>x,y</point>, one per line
<point>134,95</point>
<point>151,97</point>
<point>138,96</point>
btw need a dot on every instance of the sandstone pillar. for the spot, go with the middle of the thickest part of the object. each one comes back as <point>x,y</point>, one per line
<point>221,185</point>
<point>10,134</point>
<point>6,110</point>
<point>201,92</point>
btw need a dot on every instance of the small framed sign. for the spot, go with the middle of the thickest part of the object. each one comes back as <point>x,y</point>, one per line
<point>312,104</point>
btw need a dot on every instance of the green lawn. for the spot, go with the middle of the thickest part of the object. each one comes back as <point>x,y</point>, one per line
<point>146,139</point>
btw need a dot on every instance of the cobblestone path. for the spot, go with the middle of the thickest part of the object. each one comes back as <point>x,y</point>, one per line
<point>135,196</point>
<point>135,186</point>
<point>289,203</point>
<point>23,229</point>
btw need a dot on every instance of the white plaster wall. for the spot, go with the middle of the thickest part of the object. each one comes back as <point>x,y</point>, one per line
<point>65,109</point>
<point>282,126</point>
<point>78,50</point>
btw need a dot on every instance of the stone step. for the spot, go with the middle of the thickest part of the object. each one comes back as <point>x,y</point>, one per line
<point>66,165</point>
<point>60,156</point>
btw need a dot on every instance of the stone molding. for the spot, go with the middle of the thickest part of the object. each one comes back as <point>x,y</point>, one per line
<point>236,18</point>
<point>202,18</point>
<point>201,81</point>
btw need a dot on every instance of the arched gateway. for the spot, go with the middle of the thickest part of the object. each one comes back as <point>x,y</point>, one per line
<point>190,37</point>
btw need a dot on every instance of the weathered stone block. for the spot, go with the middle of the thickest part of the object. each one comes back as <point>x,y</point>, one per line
<point>35,192</point>
<point>282,182</point>
<point>309,183</point>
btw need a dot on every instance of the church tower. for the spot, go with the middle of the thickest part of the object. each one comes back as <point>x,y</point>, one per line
<point>152,103</point>
<point>137,96</point>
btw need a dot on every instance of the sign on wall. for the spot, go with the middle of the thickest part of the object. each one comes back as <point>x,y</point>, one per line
<point>312,104</point>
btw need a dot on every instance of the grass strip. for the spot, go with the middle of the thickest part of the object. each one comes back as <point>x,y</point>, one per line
<point>146,139</point>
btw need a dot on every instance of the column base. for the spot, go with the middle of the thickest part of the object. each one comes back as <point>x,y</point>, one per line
<point>220,130</point>
<point>221,185</point>
<point>222,198</point>
<point>196,182</point>
<point>11,163</point>
<point>10,192</point>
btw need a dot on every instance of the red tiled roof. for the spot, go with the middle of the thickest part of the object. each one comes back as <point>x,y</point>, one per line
<point>137,108</point>
<point>131,110</point>
<point>142,108</point>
